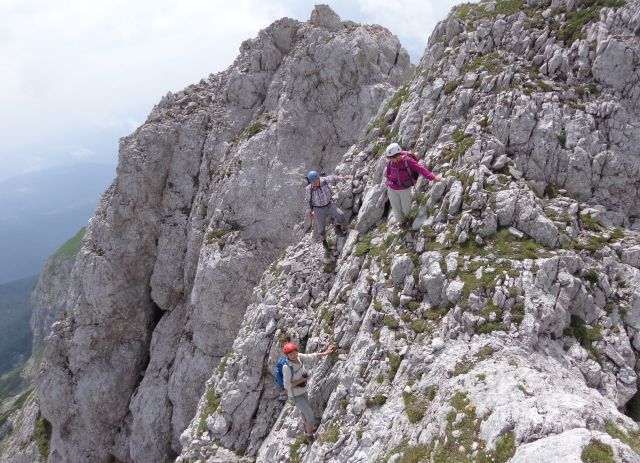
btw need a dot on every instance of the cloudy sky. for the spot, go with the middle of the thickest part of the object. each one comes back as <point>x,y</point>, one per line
<point>77,75</point>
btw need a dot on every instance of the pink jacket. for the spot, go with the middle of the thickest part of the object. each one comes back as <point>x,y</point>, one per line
<point>398,178</point>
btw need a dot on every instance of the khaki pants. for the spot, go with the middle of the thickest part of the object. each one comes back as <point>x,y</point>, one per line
<point>400,203</point>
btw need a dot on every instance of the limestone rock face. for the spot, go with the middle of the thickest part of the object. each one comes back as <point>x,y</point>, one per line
<point>20,445</point>
<point>208,193</point>
<point>505,324</point>
<point>49,297</point>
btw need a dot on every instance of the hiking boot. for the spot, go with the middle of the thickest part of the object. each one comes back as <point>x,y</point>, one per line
<point>325,245</point>
<point>404,225</point>
<point>340,231</point>
<point>310,438</point>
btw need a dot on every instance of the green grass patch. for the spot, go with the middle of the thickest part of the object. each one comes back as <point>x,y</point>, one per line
<point>415,454</point>
<point>508,7</point>
<point>413,305</point>
<point>415,407</point>
<point>216,236</point>
<point>491,62</point>
<point>597,452</point>
<point>327,315</point>
<point>463,367</point>
<point>517,313</point>
<point>585,334</point>
<point>400,97</point>
<point>222,367</point>
<point>71,247</point>
<point>505,449</point>
<point>436,314</point>
<point>491,327</point>
<point>376,401</point>
<point>418,326</point>
<point>458,449</point>
<point>394,364</point>
<point>210,408</point>
<point>253,129</point>
<point>617,234</point>
<point>391,322</point>
<point>464,10</point>
<point>451,86</point>
<point>295,448</point>
<point>453,152</point>
<point>485,352</point>
<point>589,223</point>
<point>631,439</point>
<point>331,435</point>
<point>586,11</point>
<point>42,437</point>
<point>363,246</point>
<point>562,139</point>
<point>591,276</point>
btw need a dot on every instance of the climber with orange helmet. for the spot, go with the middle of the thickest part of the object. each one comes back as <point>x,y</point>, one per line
<point>317,197</point>
<point>296,378</point>
<point>403,169</point>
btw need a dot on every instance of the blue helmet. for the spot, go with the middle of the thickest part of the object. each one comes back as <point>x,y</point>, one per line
<point>312,175</point>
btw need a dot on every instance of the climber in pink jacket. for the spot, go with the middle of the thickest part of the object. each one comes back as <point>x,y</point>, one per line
<point>402,174</point>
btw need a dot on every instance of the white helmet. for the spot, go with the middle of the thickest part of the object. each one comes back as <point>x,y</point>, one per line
<point>392,150</point>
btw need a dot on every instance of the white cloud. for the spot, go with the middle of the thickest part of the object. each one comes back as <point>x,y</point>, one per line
<point>411,20</point>
<point>81,153</point>
<point>77,67</point>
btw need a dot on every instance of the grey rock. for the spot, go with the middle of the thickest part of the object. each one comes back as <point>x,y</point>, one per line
<point>613,64</point>
<point>49,297</point>
<point>159,291</point>
<point>631,256</point>
<point>372,208</point>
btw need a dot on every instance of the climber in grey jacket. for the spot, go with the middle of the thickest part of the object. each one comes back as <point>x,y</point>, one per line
<point>317,197</point>
<point>295,381</point>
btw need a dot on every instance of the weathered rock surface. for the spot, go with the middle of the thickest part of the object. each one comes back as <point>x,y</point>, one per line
<point>24,434</point>
<point>20,446</point>
<point>49,297</point>
<point>504,326</point>
<point>206,196</point>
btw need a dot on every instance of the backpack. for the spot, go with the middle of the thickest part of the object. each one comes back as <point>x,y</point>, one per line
<point>282,363</point>
<point>414,175</point>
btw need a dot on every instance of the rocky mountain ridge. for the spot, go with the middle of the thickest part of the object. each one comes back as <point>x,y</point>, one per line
<point>201,205</point>
<point>503,326</point>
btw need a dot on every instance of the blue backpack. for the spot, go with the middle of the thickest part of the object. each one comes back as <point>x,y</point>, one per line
<point>279,377</point>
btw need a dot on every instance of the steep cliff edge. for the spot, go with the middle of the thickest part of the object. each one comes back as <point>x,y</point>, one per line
<point>504,325</point>
<point>49,297</point>
<point>204,200</point>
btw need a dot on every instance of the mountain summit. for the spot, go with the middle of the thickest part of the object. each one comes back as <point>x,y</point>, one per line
<point>502,326</point>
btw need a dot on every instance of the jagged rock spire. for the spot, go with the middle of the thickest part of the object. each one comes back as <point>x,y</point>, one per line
<point>324,16</point>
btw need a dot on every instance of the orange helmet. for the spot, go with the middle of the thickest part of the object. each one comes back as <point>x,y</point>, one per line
<point>289,347</point>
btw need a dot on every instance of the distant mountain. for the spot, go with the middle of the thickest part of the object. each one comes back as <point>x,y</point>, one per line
<point>15,312</point>
<point>38,211</point>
